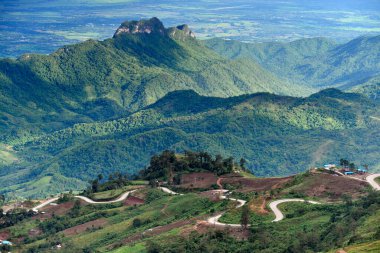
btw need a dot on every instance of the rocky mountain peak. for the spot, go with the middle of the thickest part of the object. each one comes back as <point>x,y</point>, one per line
<point>185,28</point>
<point>154,26</point>
<point>147,26</point>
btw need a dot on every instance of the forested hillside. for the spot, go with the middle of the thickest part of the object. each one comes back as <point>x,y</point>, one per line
<point>316,62</point>
<point>103,80</point>
<point>277,135</point>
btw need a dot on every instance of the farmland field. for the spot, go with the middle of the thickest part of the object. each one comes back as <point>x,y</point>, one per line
<point>43,27</point>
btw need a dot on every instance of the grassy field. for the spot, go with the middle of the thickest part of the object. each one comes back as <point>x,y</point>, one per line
<point>111,194</point>
<point>370,247</point>
<point>139,182</point>
<point>247,174</point>
<point>7,155</point>
<point>161,209</point>
<point>165,219</point>
<point>233,215</point>
<point>136,248</point>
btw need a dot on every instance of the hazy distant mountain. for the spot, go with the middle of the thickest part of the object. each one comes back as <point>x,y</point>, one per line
<point>99,80</point>
<point>315,62</point>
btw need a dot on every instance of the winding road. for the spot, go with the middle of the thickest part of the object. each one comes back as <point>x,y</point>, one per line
<point>90,201</point>
<point>274,204</point>
<point>279,215</point>
<point>371,180</point>
<point>214,219</point>
<point>167,190</point>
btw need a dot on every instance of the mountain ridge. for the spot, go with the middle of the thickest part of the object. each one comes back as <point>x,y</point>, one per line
<point>315,62</point>
<point>277,135</point>
<point>102,80</point>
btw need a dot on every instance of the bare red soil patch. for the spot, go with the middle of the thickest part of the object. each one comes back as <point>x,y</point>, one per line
<point>211,195</point>
<point>133,201</point>
<point>219,183</point>
<point>4,235</point>
<point>256,184</point>
<point>153,232</point>
<point>34,232</point>
<point>198,180</point>
<point>85,226</point>
<point>168,227</point>
<point>258,205</point>
<point>203,227</point>
<point>60,209</point>
<point>330,186</point>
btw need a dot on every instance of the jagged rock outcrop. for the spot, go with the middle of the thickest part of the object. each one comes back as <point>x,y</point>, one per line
<point>154,26</point>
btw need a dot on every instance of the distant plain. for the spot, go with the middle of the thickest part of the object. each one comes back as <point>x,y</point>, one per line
<point>44,26</point>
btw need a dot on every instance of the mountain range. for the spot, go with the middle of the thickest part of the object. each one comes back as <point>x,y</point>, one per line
<point>315,62</point>
<point>277,135</point>
<point>100,80</point>
<point>103,106</point>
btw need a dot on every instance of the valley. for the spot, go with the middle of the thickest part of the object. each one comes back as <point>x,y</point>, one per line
<point>156,139</point>
<point>107,106</point>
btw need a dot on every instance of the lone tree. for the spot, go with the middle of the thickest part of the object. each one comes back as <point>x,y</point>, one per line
<point>2,199</point>
<point>244,221</point>
<point>344,162</point>
<point>242,163</point>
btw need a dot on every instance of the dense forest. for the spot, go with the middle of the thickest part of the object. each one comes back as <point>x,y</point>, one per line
<point>99,107</point>
<point>167,164</point>
<point>318,62</point>
<point>277,135</point>
<point>103,80</point>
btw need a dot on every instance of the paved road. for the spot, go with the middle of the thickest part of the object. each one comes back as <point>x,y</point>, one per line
<point>167,190</point>
<point>121,198</point>
<point>214,219</point>
<point>371,180</point>
<point>240,201</point>
<point>279,216</point>
<point>90,201</point>
<point>35,209</point>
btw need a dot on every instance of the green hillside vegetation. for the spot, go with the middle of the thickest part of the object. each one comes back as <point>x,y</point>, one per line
<point>315,62</point>
<point>170,223</point>
<point>370,87</point>
<point>307,228</point>
<point>103,80</point>
<point>121,222</point>
<point>168,165</point>
<point>277,136</point>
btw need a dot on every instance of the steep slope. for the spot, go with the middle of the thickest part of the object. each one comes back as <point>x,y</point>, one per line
<point>277,135</point>
<point>134,217</point>
<point>369,87</point>
<point>315,62</point>
<point>103,80</point>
